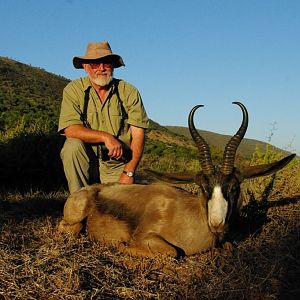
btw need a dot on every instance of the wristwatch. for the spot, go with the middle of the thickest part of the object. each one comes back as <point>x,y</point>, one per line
<point>129,173</point>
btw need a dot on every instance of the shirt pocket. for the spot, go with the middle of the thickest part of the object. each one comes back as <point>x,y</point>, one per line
<point>116,116</point>
<point>93,120</point>
<point>116,123</point>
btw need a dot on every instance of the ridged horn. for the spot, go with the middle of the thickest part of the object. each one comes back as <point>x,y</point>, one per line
<point>232,145</point>
<point>204,150</point>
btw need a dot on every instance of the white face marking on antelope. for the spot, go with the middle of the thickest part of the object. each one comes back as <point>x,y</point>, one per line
<point>217,210</point>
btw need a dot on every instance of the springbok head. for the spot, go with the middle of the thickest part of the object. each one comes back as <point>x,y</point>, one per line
<point>219,186</point>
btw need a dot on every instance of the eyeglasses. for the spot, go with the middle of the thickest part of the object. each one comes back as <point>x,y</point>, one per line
<point>96,66</point>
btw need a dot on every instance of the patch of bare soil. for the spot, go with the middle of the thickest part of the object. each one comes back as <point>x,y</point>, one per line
<point>36,263</point>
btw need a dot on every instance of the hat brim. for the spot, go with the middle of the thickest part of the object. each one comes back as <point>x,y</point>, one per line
<point>116,60</point>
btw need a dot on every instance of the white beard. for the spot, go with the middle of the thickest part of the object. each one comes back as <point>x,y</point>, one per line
<point>103,81</point>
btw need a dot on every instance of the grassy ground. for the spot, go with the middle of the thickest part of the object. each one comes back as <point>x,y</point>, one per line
<point>36,263</point>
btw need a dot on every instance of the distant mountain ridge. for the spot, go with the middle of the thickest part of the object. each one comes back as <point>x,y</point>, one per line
<point>246,148</point>
<point>33,93</point>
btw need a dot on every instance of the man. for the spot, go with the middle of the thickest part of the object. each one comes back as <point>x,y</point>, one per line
<point>104,122</point>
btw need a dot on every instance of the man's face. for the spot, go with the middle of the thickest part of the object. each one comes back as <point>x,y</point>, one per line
<point>100,73</point>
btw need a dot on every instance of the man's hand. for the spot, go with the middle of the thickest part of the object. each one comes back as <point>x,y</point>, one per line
<point>114,147</point>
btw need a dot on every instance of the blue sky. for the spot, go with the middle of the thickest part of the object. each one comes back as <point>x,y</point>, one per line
<point>178,53</point>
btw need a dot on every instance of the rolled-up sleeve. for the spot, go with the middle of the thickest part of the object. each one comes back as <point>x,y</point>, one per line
<point>70,108</point>
<point>137,115</point>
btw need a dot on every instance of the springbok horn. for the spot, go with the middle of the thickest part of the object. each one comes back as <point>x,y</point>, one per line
<point>204,151</point>
<point>232,145</point>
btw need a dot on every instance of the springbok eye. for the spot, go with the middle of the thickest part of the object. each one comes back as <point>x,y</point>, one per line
<point>234,188</point>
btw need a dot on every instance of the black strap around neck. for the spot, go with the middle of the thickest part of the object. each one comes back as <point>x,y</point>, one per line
<point>115,89</point>
<point>83,116</point>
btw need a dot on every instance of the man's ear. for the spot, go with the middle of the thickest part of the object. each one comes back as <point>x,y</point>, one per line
<point>85,67</point>
<point>264,170</point>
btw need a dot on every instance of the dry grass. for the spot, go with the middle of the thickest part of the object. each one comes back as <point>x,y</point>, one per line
<point>35,263</point>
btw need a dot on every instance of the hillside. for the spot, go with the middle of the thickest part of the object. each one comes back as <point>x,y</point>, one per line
<point>28,92</point>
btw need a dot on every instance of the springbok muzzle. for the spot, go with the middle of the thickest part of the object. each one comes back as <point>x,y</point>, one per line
<point>217,211</point>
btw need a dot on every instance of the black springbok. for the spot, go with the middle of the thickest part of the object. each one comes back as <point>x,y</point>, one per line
<point>143,220</point>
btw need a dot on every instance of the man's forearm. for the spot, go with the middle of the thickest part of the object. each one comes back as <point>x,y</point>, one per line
<point>137,147</point>
<point>87,135</point>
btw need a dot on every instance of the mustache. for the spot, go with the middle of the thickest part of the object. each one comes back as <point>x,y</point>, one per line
<point>99,72</point>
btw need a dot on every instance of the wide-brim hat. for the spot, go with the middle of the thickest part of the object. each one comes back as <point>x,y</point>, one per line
<point>96,52</point>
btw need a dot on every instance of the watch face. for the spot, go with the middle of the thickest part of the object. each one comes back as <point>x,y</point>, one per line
<point>129,174</point>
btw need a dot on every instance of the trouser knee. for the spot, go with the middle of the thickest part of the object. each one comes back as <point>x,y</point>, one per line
<point>72,148</point>
<point>80,164</point>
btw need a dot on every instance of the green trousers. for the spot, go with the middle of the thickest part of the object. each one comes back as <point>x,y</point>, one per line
<point>82,167</point>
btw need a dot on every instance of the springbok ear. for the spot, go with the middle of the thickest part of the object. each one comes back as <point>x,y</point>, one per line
<point>172,177</point>
<point>267,169</point>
